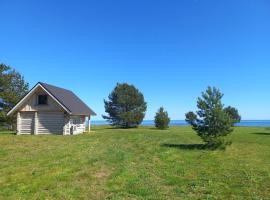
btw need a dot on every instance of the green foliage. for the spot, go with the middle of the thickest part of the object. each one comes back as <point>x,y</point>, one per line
<point>126,106</point>
<point>233,113</point>
<point>211,122</point>
<point>162,119</point>
<point>191,118</point>
<point>12,88</point>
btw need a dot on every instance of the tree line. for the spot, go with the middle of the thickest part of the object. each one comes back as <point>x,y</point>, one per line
<point>126,108</point>
<point>212,121</point>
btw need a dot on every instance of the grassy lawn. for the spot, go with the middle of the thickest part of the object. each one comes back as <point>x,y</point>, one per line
<point>141,163</point>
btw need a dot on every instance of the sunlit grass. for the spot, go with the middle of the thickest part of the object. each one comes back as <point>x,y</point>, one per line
<point>142,163</point>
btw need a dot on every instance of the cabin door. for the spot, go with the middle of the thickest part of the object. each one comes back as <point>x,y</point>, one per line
<point>27,123</point>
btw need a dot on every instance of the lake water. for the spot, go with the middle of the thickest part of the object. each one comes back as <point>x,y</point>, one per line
<point>252,123</point>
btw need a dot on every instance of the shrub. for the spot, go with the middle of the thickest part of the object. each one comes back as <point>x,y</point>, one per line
<point>161,119</point>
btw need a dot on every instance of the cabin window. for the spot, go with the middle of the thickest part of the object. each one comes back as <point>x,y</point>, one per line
<point>42,100</point>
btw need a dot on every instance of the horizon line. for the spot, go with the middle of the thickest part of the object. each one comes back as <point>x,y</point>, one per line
<point>184,120</point>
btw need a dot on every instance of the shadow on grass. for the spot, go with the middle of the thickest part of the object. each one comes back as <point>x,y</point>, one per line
<point>187,146</point>
<point>154,128</point>
<point>102,127</point>
<point>7,133</point>
<point>261,133</point>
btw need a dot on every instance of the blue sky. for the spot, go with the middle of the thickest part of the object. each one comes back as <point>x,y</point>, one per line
<point>170,50</point>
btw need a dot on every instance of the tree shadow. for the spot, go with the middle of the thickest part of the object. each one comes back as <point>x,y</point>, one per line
<point>110,127</point>
<point>102,127</point>
<point>155,128</point>
<point>188,146</point>
<point>107,127</point>
<point>261,133</point>
<point>7,133</point>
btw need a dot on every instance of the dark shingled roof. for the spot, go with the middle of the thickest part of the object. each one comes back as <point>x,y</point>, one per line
<point>69,100</point>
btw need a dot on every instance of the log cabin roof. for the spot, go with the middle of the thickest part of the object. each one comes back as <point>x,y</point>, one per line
<point>66,98</point>
<point>70,100</point>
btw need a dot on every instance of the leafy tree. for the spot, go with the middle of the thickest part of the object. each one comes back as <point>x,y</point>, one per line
<point>12,88</point>
<point>162,119</point>
<point>126,106</point>
<point>211,122</point>
<point>234,114</point>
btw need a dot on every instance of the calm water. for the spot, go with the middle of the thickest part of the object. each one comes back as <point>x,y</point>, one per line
<point>258,123</point>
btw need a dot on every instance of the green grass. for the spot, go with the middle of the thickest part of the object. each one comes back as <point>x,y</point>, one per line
<point>141,163</point>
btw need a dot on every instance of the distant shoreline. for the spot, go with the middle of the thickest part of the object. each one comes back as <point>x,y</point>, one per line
<point>248,123</point>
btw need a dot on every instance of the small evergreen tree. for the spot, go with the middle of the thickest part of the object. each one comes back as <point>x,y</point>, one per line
<point>234,114</point>
<point>211,122</point>
<point>126,106</point>
<point>162,119</point>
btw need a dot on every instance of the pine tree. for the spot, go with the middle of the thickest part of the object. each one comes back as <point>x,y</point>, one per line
<point>126,106</point>
<point>162,119</point>
<point>211,122</point>
<point>234,114</point>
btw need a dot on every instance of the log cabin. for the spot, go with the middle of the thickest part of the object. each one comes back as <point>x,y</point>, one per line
<point>47,109</point>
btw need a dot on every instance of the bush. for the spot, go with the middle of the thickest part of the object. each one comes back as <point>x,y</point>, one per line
<point>161,119</point>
